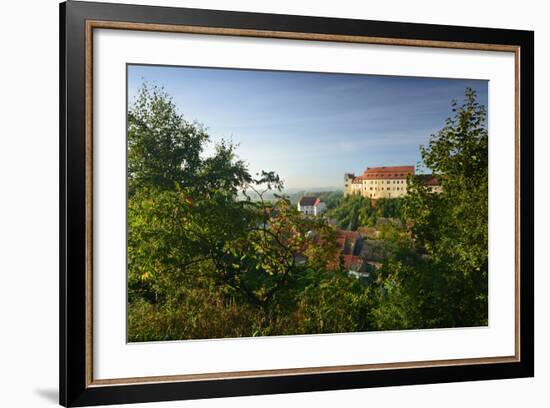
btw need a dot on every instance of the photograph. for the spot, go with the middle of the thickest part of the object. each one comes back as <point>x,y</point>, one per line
<point>282,203</point>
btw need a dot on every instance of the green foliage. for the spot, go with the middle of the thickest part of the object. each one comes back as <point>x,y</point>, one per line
<point>442,282</point>
<point>330,303</point>
<point>197,313</point>
<point>354,211</point>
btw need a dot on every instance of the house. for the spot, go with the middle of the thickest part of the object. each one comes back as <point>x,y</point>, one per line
<point>349,245</point>
<point>350,242</point>
<point>311,206</point>
<point>352,263</point>
<point>431,182</point>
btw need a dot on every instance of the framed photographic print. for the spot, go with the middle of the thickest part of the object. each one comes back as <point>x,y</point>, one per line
<point>256,203</point>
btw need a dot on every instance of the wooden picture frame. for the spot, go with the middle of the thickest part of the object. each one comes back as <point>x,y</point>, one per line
<point>78,20</point>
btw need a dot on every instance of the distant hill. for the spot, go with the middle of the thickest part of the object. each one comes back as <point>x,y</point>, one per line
<point>329,197</point>
<point>294,194</point>
<point>312,190</point>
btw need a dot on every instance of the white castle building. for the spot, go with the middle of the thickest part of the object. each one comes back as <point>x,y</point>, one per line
<point>385,182</point>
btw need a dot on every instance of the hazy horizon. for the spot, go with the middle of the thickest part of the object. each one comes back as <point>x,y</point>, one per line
<point>311,128</point>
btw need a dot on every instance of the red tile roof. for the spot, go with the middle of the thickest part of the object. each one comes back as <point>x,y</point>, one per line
<point>390,172</point>
<point>341,242</point>
<point>428,179</point>
<point>344,237</point>
<point>350,260</point>
<point>350,235</point>
<point>310,201</point>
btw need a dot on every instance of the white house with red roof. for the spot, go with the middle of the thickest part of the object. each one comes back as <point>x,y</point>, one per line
<point>311,206</point>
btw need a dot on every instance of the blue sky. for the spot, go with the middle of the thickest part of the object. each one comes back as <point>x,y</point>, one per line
<point>311,128</point>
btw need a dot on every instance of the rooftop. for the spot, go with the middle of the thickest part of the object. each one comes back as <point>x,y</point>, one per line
<point>351,235</point>
<point>352,262</point>
<point>428,179</point>
<point>309,201</point>
<point>388,172</point>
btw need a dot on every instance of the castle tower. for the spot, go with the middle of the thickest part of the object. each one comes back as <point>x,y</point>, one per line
<point>348,179</point>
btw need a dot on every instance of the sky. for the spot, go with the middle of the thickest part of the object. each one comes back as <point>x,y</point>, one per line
<point>311,128</point>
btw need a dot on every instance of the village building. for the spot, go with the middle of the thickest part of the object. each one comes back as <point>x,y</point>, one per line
<point>349,242</point>
<point>385,182</point>
<point>311,206</point>
<point>349,257</point>
<point>431,182</point>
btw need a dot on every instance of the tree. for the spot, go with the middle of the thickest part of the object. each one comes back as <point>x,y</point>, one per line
<point>176,195</point>
<point>442,281</point>
<point>355,211</point>
<point>165,150</point>
<point>199,224</point>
